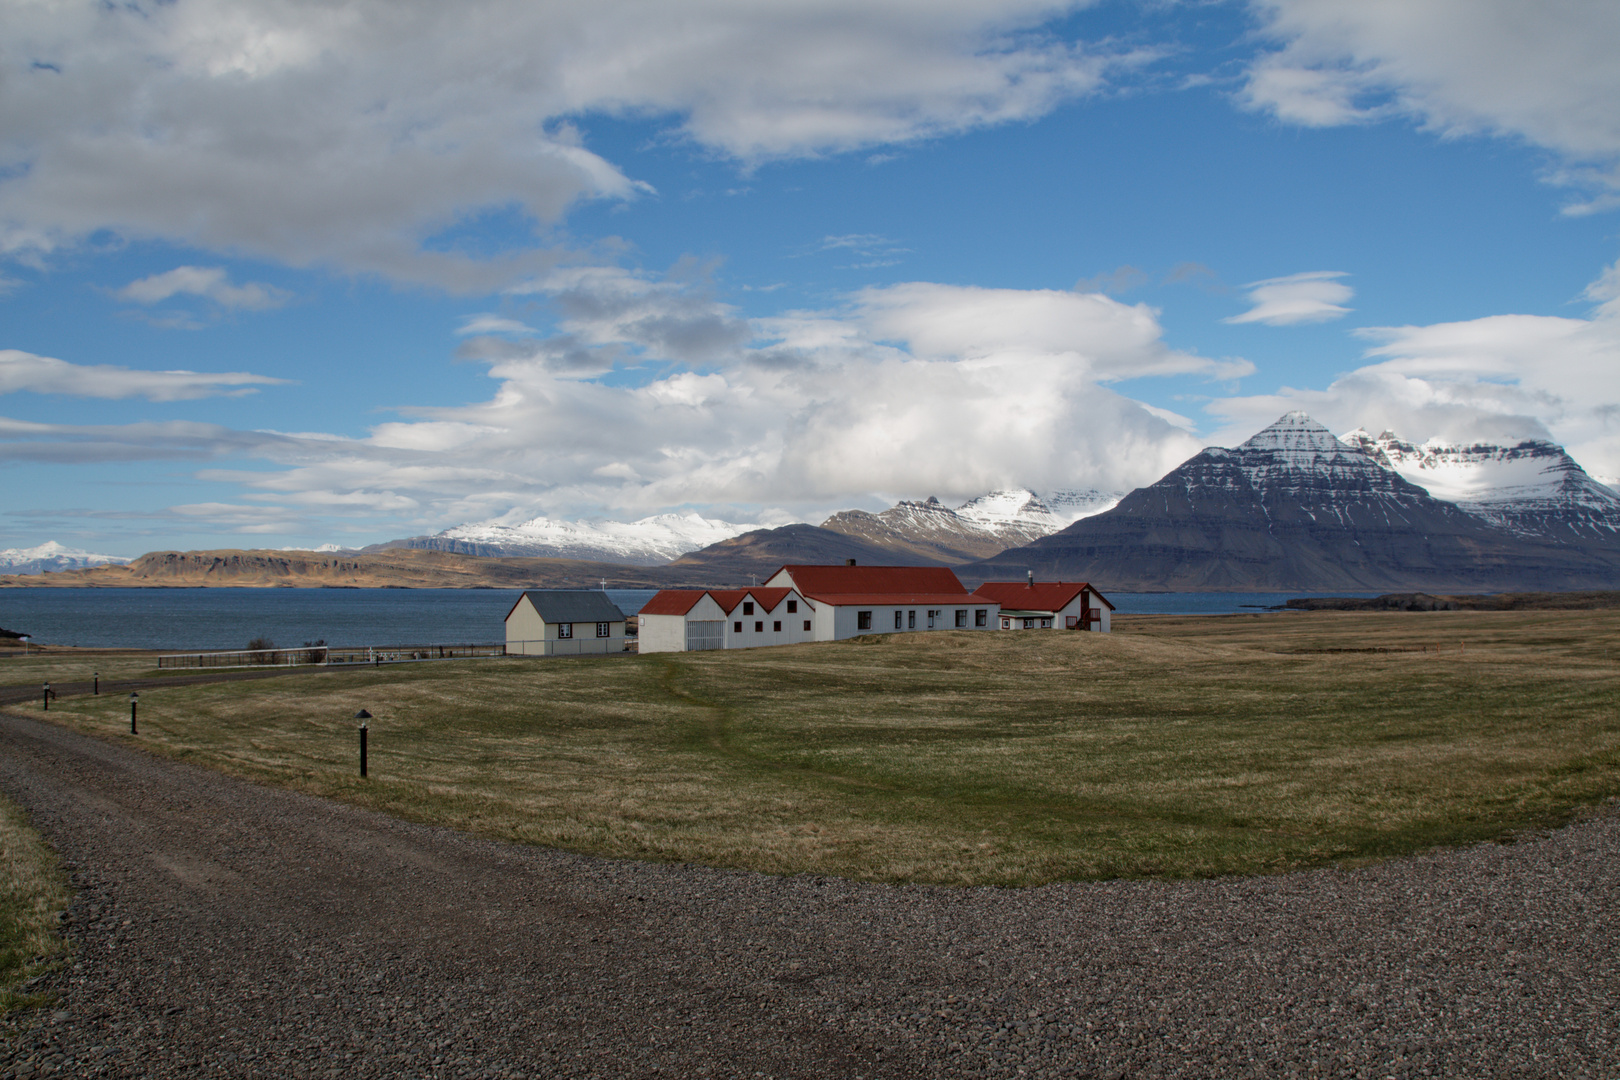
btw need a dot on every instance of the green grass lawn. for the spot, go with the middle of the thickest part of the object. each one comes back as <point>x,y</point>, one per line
<point>1174,747</point>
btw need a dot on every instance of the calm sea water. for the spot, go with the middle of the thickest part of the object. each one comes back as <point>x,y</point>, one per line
<point>193,619</point>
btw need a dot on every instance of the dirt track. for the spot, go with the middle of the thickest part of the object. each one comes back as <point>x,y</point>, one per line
<point>226,929</point>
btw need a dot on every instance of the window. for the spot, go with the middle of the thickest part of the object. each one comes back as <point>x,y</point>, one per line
<point>793,607</point>
<point>748,607</point>
<point>759,626</point>
<point>981,617</point>
<point>1006,624</point>
<point>807,626</point>
<point>932,614</point>
<point>603,629</point>
<point>1029,624</point>
<point>1046,624</point>
<point>777,626</point>
<point>1070,622</point>
<point>565,629</point>
<point>736,627</point>
<point>911,620</point>
<point>863,620</point>
<point>961,617</point>
<point>897,620</point>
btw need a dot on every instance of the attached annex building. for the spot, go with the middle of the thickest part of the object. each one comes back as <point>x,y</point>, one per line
<point>564,622</point>
<point>1044,605</point>
<point>814,603</point>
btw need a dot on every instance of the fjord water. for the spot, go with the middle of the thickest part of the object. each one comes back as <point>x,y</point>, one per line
<point>194,619</point>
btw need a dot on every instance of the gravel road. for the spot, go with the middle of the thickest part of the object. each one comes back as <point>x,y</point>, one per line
<point>227,929</point>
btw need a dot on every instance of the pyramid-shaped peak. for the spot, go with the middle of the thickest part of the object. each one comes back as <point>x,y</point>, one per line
<point>1295,431</point>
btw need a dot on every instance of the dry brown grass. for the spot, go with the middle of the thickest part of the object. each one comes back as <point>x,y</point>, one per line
<point>1176,746</point>
<point>33,892</point>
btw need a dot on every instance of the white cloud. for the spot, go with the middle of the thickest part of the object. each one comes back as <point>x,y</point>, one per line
<point>904,391</point>
<point>21,371</point>
<point>1315,296</point>
<point>1542,72</point>
<point>1502,377</point>
<point>487,323</point>
<point>347,134</point>
<point>209,282</point>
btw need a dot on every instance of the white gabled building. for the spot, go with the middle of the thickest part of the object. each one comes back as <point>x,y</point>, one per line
<point>1050,605</point>
<point>564,622</point>
<point>689,620</point>
<point>814,603</point>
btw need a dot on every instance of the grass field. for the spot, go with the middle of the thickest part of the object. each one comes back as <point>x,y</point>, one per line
<point>33,892</point>
<point>1174,747</point>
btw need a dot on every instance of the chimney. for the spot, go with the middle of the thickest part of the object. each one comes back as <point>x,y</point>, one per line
<point>849,562</point>
<point>1031,578</point>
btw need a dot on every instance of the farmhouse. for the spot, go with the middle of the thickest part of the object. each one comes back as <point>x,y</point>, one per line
<point>814,603</point>
<point>1047,605</point>
<point>564,622</point>
<point>687,620</point>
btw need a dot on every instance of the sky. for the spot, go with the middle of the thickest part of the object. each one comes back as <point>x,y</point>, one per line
<point>283,273</point>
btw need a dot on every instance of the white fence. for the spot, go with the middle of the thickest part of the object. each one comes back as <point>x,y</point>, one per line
<point>580,646</point>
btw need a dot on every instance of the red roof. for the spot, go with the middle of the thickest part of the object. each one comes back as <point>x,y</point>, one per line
<point>728,599</point>
<point>824,582</point>
<point>1042,596</point>
<point>673,601</point>
<point>890,599</point>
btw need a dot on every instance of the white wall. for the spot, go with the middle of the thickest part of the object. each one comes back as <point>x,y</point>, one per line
<point>662,633</point>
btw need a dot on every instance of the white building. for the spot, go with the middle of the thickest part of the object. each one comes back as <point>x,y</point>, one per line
<point>1049,605</point>
<point>564,622</point>
<point>814,603</point>
<point>689,620</point>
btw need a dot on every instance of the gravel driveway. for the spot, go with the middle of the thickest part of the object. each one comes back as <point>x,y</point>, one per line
<point>227,929</point>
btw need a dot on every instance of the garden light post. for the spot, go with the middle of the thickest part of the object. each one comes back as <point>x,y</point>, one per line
<point>96,684</point>
<point>362,716</point>
<point>47,697</point>
<point>134,700</point>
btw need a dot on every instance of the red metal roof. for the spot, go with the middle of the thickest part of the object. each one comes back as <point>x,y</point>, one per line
<point>889,599</point>
<point>673,601</point>
<point>823,582</point>
<point>728,599</point>
<point>1042,596</point>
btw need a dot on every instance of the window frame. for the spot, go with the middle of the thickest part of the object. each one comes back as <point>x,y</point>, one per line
<point>863,620</point>
<point>565,630</point>
<point>981,617</point>
<point>961,618</point>
<point>604,629</point>
<point>793,607</point>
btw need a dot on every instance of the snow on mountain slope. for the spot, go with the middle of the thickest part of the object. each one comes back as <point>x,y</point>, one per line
<point>1071,505</point>
<point>1016,516</point>
<point>50,557</point>
<point>1533,488</point>
<point>651,541</point>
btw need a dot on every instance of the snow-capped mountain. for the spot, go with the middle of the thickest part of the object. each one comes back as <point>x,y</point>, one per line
<point>978,529</point>
<point>1533,488</point>
<point>1296,508</point>
<point>928,528</point>
<point>1073,504</point>
<point>651,541</point>
<point>51,557</point>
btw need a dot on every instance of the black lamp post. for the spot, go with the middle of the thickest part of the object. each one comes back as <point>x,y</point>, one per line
<point>362,716</point>
<point>96,684</point>
<point>134,700</point>
<point>47,697</point>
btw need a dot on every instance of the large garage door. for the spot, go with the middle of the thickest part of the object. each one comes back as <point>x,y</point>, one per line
<point>705,635</point>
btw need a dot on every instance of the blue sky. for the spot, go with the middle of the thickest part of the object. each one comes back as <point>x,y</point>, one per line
<point>281,274</point>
